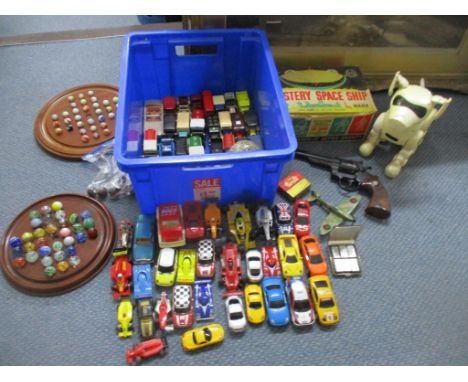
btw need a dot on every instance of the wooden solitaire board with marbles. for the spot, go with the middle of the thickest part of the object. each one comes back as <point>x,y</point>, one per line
<point>57,244</point>
<point>77,120</point>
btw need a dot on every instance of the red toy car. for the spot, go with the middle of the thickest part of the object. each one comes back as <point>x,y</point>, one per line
<point>170,103</point>
<point>182,306</point>
<point>208,104</point>
<point>171,231</point>
<point>196,101</point>
<point>193,220</point>
<point>121,274</point>
<point>231,270</point>
<point>301,220</point>
<point>163,311</point>
<point>270,261</point>
<point>146,349</point>
<point>228,139</point>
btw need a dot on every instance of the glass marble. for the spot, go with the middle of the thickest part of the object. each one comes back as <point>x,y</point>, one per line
<point>59,256</point>
<point>68,241</point>
<point>39,232</point>
<point>57,246</point>
<point>47,261</point>
<point>63,266</point>
<point>31,257</point>
<point>74,261</point>
<point>50,271</point>
<point>45,251</point>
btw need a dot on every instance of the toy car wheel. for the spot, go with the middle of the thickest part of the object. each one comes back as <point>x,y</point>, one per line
<point>137,360</point>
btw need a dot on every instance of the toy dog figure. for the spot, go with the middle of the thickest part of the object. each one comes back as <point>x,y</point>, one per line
<point>411,112</point>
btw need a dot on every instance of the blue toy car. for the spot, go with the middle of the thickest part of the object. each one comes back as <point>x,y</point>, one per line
<point>275,300</point>
<point>166,147</point>
<point>142,281</point>
<point>204,300</point>
<point>143,245</point>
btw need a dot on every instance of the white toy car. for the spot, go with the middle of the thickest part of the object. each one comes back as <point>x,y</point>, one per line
<point>300,303</point>
<point>253,258</point>
<point>235,314</point>
<point>206,259</point>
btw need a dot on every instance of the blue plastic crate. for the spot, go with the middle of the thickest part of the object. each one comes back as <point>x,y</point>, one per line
<point>157,64</point>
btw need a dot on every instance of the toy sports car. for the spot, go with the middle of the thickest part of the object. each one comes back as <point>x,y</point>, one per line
<point>270,261</point>
<point>200,337</point>
<point>121,274</point>
<point>254,304</point>
<point>125,318</point>
<point>206,266</point>
<point>171,231</point>
<point>300,304</point>
<point>301,221</point>
<point>213,219</point>
<point>240,225</point>
<point>166,267</point>
<point>125,238</point>
<point>231,268</point>
<point>143,246</point>
<point>162,312</point>
<point>290,256</point>
<point>145,318</point>
<point>193,221</point>
<point>182,306</point>
<point>204,300</point>
<point>146,349</point>
<point>142,281</point>
<point>313,256</point>
<point>187,263</point>
<point>235,314</point>
<point>324,300</point>
<point>275,301</point>
<point>253,259</point>
<point>283,218</point>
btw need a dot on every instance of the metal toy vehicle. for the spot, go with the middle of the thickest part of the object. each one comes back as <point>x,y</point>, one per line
<point>313,256</point>
<point>166,147</point>
<point>182,306</point>
<point>228,139</point>
<point>264,219</point>
<point>125,238</point>
<point>165,270</point>
<point>216,145</point>
<point>196,102</point>
<point>235,314</point>
<point>142,281</point>
<point>186,267</point>
<point>253,259</point>
<point>290,256</point>
<point>240,225</point>
<point>170,104</point>
<point>300,303</point>
<point>283,218</point>
<point>212,126</point>
<point>193,220</point>
<point>153,126</point>
<point>301,220</point>
<point>324,300</point>
<point>184,103</point>
<point>146,349</point>
<point>225,120</point>
<point>204,305</point>
<point>125,318</point>
<point>197,122</point>
<point>145,318</point>
<point>275,301</point>
<point>143,244</point>
<point>171,231</point>
<point>230,99</point>
<point>195,145</point>
<point>411,112</point>
<point>162,313</point>
<point>121,275</point>
<point>238,124</point>
<point>206,267</point>
<point>201,337</point>
<point>254,305</point>
<point>243,100</point>
<point>181,146</point>
<point>208,105</point>
<point>231,270</point>
<point>170,123</point>
<point>270,261</point>
<point>250,118</point>
<point>219,102</point>
<point>213,219</point>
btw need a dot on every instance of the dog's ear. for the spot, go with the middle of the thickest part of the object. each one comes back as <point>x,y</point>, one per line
<point>399,81</point>
<point>422,83</point>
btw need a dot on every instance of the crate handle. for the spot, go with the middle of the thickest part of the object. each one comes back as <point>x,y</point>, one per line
<point>205,168</point>
<point>196,50</point>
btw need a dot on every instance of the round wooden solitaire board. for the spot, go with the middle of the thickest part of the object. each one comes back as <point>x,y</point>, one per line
<point>69,145</point>
<point>94,253</point>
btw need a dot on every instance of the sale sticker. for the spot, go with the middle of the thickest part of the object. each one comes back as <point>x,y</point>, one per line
<point>209,188</point>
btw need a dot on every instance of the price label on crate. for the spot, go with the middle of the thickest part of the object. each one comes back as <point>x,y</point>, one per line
<point>209,188</point>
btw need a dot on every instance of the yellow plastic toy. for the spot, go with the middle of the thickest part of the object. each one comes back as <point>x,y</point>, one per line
<point>411,112</point>
<point>243,100</point>
<point>125,318</point>
<point>290,256</point>
<point>186,267</point>
<point>201,337</point>
<point>324,300</point>
<point>254,304</point>
<point>166,267</point>
<point>240,225</point>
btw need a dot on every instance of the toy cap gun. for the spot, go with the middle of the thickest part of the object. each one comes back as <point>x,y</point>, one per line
<point>352,176</point>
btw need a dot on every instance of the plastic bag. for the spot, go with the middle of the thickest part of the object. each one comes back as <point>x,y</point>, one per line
<point>109,181</point>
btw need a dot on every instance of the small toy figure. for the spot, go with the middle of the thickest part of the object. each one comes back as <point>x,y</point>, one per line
<point>411,112</point>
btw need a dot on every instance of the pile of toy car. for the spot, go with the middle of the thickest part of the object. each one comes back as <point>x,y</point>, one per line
<point>199,124</point>
<point>274,288</point>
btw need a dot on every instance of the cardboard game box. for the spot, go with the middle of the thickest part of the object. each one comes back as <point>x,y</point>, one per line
<point>328,103</point>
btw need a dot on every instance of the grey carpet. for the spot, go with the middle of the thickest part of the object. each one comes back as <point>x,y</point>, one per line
<point>409,307</point>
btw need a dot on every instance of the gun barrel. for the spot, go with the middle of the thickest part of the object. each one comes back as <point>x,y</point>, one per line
<point>318,159</point>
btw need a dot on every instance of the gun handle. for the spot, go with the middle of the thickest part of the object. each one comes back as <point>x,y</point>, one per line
<point>379,204</point>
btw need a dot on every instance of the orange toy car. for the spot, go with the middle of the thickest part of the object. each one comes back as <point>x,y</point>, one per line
<point>313,256</point>
<point>213,218</point>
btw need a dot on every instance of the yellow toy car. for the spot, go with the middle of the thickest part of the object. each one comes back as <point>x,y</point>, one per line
<point>186,266</point>
<point>201,337</point>
<point>243,100</point>
<point>290,256</point>
<point>166,267</point>
<point>240,225</point>
<point>324,300</point>
<point>254,304</point>
<point>125,318</point>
